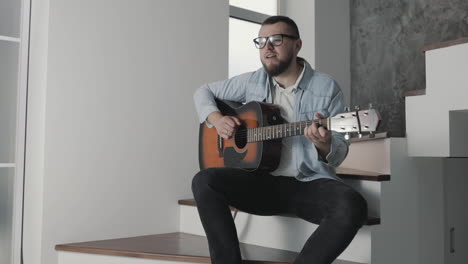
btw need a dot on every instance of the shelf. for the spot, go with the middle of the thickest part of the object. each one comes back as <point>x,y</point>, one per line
<point>9,54</point>
<point>10,39</point>
<point>10,13</point>
<point>7,165</point>
<point>7,180</point>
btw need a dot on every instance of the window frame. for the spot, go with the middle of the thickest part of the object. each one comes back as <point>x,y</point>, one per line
<point>247,15</point>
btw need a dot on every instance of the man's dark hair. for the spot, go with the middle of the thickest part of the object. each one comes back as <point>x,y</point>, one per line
<point>275,19</point>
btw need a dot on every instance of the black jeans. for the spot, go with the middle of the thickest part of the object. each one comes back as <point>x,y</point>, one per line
<point>337,208</point>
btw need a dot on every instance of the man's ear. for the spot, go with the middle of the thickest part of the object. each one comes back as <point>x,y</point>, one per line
<point>298,45</point>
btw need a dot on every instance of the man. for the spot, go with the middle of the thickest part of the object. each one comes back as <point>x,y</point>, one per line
<point>305,183</point>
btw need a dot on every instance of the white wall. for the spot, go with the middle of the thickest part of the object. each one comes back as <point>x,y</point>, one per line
<point>324,26</point>
<point>113,143</point>
<point>303,13</point>
<point>333,42</point>
<point>34,163</point>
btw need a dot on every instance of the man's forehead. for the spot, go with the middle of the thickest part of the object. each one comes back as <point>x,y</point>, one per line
<point>277,28</point>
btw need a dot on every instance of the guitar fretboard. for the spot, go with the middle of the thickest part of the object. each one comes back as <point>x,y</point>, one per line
<point>281,131</point>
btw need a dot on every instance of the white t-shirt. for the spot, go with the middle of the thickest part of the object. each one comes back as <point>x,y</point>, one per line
<point>284,98</point>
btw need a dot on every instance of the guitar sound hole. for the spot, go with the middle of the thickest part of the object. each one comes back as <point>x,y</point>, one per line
<point>241,137</point>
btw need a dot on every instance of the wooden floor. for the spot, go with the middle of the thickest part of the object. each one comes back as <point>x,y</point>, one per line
<point>177,247</point>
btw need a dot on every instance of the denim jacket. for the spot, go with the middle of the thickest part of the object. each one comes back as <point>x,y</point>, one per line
<point>316,92</point>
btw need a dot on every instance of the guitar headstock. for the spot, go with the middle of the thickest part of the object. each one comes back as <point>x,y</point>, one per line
<point>359,121</point>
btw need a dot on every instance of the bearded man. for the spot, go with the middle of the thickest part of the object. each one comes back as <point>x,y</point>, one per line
<point>305,183</point>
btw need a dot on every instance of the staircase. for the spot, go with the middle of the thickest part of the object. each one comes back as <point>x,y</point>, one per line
<point>398,186</point>
<point>278,237</point>
<point>440,115</point>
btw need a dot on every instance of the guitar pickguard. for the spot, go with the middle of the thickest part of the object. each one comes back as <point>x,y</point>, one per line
<point>232,158</point>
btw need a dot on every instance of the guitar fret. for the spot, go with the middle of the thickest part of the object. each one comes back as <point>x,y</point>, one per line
<point>277,131</point>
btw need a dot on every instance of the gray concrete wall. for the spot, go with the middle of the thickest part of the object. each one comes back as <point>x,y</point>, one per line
<point>386,42</point>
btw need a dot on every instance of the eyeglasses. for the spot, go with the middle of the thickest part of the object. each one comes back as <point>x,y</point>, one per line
<point>275,40</point>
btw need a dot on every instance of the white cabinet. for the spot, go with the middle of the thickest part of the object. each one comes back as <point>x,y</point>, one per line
<point>14,38</point>
<point>456,213</point>
<point>443,218</point>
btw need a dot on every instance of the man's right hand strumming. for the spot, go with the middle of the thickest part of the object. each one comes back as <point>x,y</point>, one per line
<point>225,125</point>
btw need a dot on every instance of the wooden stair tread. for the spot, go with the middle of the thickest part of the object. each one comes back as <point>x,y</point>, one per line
<point>413,93</point>
<point>445,44</point>
<point>371,220</point>
<point>347,173</point>
<point>177,247</point>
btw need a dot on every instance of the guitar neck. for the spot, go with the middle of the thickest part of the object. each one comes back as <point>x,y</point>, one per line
<point>283,130</point>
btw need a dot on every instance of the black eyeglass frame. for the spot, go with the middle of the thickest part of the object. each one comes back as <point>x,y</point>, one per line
<point>268,39</point>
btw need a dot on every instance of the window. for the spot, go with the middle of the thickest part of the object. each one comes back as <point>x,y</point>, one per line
<point>243,56</point>
<point>268,7</point>
<point>244,23</point>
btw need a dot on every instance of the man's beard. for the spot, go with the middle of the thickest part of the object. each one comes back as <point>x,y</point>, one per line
<point>277,69</point>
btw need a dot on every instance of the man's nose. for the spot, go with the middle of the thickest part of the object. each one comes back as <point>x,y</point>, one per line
<point>268,45</point>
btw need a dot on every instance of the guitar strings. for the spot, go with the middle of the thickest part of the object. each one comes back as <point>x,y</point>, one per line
<point>274,127</point>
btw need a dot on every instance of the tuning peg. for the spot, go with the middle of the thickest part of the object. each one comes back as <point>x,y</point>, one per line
<point>359,135</point>
<point>371,134</point>
<point>371,106</point>
<point>347,137</point>
<point>346,108</point>
<point>357,108</point>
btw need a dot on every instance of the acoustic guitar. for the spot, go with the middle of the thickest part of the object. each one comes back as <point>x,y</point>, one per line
<point>256,144</point>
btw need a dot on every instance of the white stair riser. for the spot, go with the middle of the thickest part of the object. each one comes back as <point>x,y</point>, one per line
<point>371,191</point>
<point>372,155</point>
<point>280,232</point>
<point>65,257</point>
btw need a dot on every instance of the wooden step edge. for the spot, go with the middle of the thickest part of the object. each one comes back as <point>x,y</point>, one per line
<point>133,254</point>
<point>413,93</point>
<point>445,44</point>
<point>371,220</point>
<point>176,246</point>
<point>354,174</point>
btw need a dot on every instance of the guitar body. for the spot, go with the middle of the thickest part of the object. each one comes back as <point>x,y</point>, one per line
<point>236,152</point>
